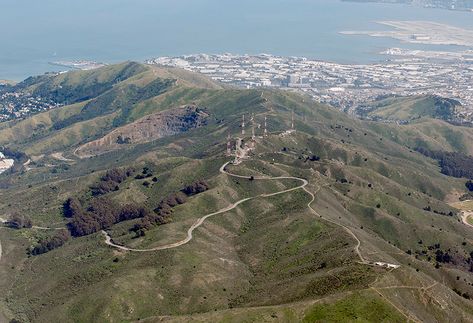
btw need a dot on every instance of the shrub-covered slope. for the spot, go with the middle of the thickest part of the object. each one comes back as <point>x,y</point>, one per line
<point>270,258</point>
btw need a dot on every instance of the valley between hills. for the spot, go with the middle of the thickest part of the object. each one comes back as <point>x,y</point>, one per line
<point>155,194</point>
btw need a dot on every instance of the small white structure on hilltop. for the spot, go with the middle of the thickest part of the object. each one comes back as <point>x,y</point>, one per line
<point>386,265</point>
<point>5,164</point>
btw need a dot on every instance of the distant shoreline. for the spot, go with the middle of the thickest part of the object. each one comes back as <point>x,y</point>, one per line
<point>83,65</point>
<point>421,32</point>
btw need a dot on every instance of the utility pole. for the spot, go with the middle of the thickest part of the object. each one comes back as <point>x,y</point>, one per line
<point>253,126</point>
<point>292,120</point>
<point>243,126</point>
<point>265,133</point>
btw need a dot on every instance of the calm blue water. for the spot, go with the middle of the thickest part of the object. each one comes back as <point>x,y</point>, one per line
<point>33,32</point>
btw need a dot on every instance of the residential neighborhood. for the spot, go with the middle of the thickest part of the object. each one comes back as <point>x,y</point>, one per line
<point>18,104</point>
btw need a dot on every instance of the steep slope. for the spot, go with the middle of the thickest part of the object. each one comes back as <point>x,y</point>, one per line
<point>285,253</point>
<point>146,129</point>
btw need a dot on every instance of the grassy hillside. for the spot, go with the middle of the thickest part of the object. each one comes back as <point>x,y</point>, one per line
<point>105,98</point>
<point>271,258</point>
<point>80,85</point>
<point>412,108</point>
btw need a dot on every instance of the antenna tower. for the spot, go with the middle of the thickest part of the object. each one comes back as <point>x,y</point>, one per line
<point>253,126</point>
<point>229,145</point>
<point>292,120</point>
<point>265,127</point>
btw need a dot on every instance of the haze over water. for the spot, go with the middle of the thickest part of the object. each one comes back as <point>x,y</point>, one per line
<point>37,32</point>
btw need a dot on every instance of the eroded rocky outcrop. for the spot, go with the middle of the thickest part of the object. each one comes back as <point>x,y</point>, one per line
<point>152,127</point>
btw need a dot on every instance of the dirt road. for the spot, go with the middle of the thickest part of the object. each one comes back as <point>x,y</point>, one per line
<point>200,221</point>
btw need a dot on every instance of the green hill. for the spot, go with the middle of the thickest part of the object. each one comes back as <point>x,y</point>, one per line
<point>411,108</point>
<point>271,258</point>
<point>123,93</point>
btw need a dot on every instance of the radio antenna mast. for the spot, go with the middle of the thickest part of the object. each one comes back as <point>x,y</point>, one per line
<point>265,127</point>
<point>229,145</point>
<point>253,126</point>
<point>292,120</point>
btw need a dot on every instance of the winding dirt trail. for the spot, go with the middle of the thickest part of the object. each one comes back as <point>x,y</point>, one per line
<point>46,228</point>
<point>59,156</point>
<point>3,221</point>
<point>199,222</point>
<point>465,216</point>
<point>347,229</point>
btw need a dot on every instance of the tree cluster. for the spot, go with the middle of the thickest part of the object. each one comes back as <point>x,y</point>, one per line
<point>196,188</point>
<point>469,185</point>
<point>429,209</point>
<point>464,294</point>
<point>163,211</point>
<point>48,244</point>
<point>442,256</point>
<point>19,221</point>
<point>101,214</point>
<point>117,175</point>
<point>123,140</point>
<point>434,253</point>
<point>71,207</point>
<point>146,173</point>
<point>453,164</point>
<point>159,217</point>
<point>111,180</point>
